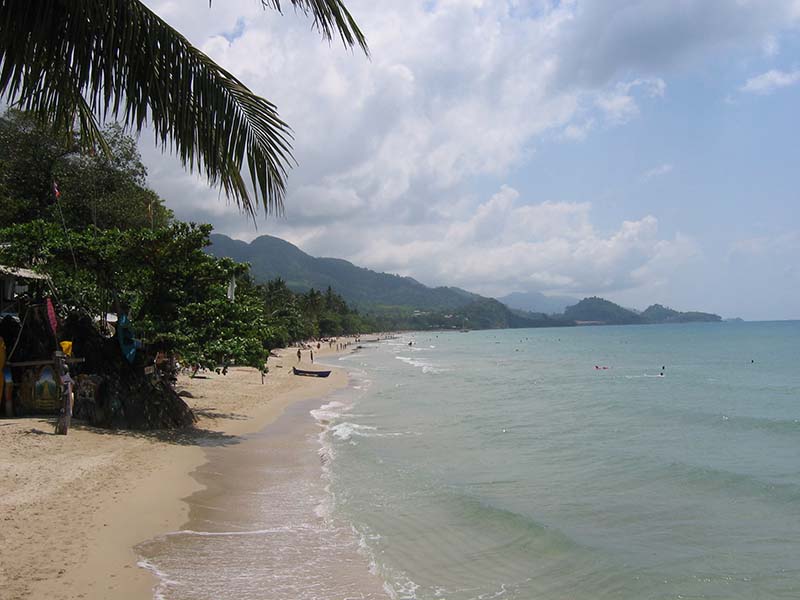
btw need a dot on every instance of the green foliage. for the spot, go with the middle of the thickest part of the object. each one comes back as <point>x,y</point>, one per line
<point>272,257</point>
<point>107,191</point>
<point>657,313</point>
<point>312,314</point>
<point>174,292</point>
<point>600,310</point>
<point>485,313</point>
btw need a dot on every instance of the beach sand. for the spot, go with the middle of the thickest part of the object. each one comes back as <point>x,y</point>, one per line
<point>73,507</point>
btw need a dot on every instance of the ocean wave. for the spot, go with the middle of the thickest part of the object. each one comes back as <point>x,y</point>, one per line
<point>425,366</point>
<point>229,533</point>
<point>330,411</point>
<point>324,509</point>
<point>737,484</point>
<point>344,431</point>
<point>163,579</point>
<point>498,534</point>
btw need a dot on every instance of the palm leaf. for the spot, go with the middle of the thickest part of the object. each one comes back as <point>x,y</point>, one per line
<point>330,16</point>
<point>77,61</point>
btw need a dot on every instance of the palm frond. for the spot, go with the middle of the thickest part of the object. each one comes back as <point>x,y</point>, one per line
<point>329,16</point>
<point>70,61</point>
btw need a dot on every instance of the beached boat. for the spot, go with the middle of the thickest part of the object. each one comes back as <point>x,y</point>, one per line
<point>305,373</point>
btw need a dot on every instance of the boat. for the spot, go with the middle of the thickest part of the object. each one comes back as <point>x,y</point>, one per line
<point>305,373</point>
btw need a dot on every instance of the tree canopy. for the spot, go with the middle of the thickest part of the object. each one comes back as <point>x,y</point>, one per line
<point>104,190</point>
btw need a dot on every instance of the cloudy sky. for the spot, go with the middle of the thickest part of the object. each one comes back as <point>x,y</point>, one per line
<point>642,150</point>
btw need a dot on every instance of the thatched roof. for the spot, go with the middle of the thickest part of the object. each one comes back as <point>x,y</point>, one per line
<point>21,273</point>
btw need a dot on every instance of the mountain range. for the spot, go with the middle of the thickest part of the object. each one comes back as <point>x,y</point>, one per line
<point>404,302</point>
<point>272,257</point>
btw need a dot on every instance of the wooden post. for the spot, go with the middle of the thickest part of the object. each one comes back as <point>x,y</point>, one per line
<point>64,419</point>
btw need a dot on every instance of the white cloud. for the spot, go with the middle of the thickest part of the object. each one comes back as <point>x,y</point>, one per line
<point>508,243</point>
<point>768,82</point>
<point>619,106</point>
<point>393,150</point>
<point>663,169</point>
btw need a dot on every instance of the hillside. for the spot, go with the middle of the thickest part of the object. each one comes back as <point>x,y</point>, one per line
<point>272,257</point>
<point>661,314</point>
<point>597,311</point>
<point>404,303</point>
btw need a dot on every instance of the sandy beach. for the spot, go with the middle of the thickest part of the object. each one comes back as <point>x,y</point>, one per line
<point>74,507</point>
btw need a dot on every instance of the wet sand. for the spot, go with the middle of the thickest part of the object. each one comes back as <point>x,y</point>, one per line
<point>261,525</point>
<point>73,508</point>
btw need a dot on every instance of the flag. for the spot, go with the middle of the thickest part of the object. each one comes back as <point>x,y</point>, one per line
<point>51,316</point>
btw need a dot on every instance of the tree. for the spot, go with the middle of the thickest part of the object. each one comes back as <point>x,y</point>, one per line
<point>69,61</point>
<point>174,293</point>
<point>102,190</point>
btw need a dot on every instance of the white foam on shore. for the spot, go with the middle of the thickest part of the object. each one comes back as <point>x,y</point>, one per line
<point>424,365</point>
<point>163,579</point>
<point>344,431</point>
<point>228,533</point>
<point>330,411</point>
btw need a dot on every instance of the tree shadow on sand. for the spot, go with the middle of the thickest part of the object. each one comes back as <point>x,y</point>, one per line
<point>186,436</point>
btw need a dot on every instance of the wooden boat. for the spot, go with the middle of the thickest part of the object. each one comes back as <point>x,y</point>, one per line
<point>305,373</point>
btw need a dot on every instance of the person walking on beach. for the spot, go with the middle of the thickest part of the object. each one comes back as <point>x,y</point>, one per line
<point>312,356</point>
<point>299,355</point>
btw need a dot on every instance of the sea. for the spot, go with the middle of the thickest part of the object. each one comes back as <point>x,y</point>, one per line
<point>631,462</point>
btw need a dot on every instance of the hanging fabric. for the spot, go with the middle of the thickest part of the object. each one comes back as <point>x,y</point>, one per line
<point>127,343</point>
<point>232,288</point>
<point>51,316</point>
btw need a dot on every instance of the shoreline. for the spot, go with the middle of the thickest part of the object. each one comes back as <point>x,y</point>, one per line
<point>74,507</point>
<point>265,507</point>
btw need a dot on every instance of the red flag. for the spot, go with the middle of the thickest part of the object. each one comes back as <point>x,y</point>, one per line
<point>51,316</point>
<point>56,191</point>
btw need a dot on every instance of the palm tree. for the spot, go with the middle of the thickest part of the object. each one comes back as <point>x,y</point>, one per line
<point>76,62</point>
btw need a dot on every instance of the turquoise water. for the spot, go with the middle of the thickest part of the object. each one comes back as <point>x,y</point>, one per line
<point>503,464</point>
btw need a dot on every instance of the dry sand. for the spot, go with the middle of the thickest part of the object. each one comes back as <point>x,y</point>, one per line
<point>73,507</point>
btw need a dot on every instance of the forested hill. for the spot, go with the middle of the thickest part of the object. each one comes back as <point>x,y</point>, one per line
<point>272,257</point>
<point>404,303</point>
<point>602,312</point>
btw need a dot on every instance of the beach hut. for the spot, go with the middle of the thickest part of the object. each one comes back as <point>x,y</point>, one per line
<point>15,284</point>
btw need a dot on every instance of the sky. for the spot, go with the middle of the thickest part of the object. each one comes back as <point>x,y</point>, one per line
<point>640,150</point>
